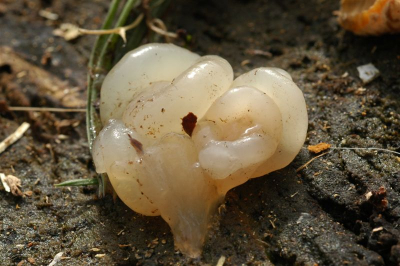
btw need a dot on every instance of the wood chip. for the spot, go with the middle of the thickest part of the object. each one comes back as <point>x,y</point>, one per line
<point>319,147</point>
<point>377,229</point>
<point>221,261</point>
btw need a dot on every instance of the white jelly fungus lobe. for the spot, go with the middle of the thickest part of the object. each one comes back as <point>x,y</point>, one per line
<point>180,132</point>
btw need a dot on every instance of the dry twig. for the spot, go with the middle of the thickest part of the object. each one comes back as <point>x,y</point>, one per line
<point>14,136</point>
<point>46,109</point>
<point>367,149</point>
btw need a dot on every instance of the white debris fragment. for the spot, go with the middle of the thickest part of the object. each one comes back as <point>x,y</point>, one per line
<point>56,259</point>
<point>48,15</point>
<point>368,195</point>
<point>68,31</point>
<point>368,72</point>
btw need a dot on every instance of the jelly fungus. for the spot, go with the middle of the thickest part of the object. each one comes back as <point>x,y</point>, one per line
<point>180,132</point>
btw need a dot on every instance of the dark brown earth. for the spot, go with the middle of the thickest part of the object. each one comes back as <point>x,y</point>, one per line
<point>318,216</point>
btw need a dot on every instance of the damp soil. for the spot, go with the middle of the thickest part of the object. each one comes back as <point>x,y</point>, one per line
<point>343,208</point>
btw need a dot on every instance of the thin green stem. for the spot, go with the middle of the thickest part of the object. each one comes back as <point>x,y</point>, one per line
<point>106,52</point>
<point>104,60</point>
<point>92,121</point>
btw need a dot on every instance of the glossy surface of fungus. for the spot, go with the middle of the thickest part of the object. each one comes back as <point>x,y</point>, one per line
<point>370,17</point>
<point>180,132</point>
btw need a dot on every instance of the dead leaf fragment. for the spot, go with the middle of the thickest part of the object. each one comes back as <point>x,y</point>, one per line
<point>15,185</point>
<point>319,147</point>
<point>11,184</point>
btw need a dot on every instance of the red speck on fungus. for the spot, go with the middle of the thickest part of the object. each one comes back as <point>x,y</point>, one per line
<point>189,123</point>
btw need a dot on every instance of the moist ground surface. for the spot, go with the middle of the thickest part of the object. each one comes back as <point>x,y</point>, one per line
<point>343,208</point>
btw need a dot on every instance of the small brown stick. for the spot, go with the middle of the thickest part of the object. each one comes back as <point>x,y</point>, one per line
<point>47,109</point>
<point>14,136</point>
<point>121,31</point>
<point>310,161</point>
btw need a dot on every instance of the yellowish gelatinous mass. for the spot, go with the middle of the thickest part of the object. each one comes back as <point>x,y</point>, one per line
<point>180,132</point>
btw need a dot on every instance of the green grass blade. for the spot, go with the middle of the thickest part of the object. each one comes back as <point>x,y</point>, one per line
<point>79,182</point>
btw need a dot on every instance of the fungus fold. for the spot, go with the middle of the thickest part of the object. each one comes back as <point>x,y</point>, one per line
<point>180,132</point>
